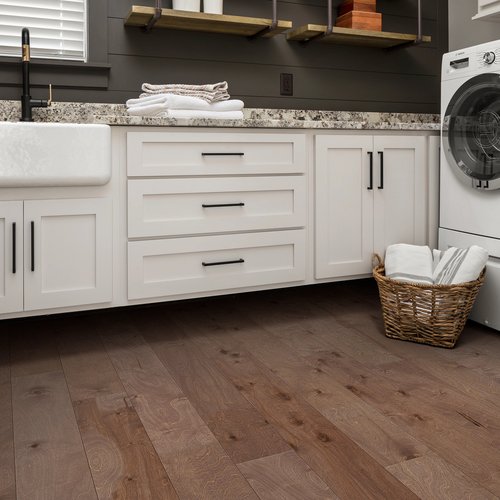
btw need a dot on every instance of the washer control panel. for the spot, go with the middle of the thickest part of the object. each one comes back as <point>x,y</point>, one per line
<point>488,58</point>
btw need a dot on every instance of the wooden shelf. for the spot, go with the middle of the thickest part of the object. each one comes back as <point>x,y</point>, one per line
<point>348,36</point>
<point>209,23</point>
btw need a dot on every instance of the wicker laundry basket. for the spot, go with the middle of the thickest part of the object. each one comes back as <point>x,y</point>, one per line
<point>428,314</point>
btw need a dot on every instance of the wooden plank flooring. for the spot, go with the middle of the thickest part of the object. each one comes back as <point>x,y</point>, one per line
<point>287,394</point>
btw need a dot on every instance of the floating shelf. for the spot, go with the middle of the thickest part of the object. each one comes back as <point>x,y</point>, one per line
<point>349,36</point>
<point>209,23</point>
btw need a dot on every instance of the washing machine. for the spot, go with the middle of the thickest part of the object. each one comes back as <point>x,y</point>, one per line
<point>470,163</point>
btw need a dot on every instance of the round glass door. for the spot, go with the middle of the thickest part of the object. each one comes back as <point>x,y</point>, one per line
<point>471,131</point>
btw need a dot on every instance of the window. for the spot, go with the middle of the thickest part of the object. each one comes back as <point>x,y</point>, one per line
<point>58,28</point>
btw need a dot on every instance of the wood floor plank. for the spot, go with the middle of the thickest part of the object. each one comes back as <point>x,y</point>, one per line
<point>243,432</point>
<point>86,364</point>
<point>285,477</point>
<point>193,458</point>
<point>34,347</point>
<point>430,477</point>
<point>122,459</point>
<point>332,455</point>
<point>372,431</point>
<point>7,468</point>
<point>50,459</point>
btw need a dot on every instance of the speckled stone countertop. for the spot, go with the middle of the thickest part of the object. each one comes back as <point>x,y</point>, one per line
<point>116,114</point>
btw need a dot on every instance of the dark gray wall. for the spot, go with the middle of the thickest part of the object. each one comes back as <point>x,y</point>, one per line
<point>326,76</point>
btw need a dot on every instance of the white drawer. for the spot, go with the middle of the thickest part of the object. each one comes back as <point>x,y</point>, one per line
<point>155,154</point>
<point>165,207</point>
<point>177,266</point>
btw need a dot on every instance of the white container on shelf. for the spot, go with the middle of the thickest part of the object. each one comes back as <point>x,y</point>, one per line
<point>190,5</point>
<point>213,6</point>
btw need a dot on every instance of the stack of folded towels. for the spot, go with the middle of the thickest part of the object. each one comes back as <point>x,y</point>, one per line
<point>419,264</point>
<point>210,101</point>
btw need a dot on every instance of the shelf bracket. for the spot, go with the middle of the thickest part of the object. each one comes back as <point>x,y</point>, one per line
<point>154,19</point>
<point>268,29</point>
<point>420,36</point>
<point>332,16</point>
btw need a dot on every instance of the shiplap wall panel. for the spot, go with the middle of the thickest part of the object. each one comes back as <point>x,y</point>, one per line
<point>325,76</point>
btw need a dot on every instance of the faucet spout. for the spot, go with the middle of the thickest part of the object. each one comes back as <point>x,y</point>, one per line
<point>27,103</point>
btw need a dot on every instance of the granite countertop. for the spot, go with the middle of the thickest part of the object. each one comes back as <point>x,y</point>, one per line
<point>116,114</point>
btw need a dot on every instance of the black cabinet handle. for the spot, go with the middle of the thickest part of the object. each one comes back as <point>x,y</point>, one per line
<point>223,263</point>
<point>14,266</point>
<point>370,154</point>
<point>32,246</point>
<point>222,154</point>
<point>381,185</point>
<point>221,205</point>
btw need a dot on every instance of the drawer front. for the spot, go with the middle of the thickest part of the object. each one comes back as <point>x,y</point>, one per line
<point>164,207</point>
<point>157,154</point>
<point>160,268</point>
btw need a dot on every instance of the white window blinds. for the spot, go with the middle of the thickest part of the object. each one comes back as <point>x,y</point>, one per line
<point>58,28</point>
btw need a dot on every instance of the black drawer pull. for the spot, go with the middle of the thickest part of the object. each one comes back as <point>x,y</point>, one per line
<point>223,263</point>
<point>222,205</point>
<point>370,154</point>
<point>32,246</point>
<point>14,248</point>
<point>381,185</point>
<point>222,154</point>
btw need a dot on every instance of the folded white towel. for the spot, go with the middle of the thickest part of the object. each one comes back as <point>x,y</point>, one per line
<point>458,265</point>
<point>409,263</point>
<point>212,92</point>
<point>173,101</point>
<point>209,115</point>
<point>161,111</point>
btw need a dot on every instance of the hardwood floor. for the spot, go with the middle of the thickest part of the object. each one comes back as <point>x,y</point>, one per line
<point>289,394</point>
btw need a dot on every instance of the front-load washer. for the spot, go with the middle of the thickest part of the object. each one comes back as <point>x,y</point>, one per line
<point>470,163</point>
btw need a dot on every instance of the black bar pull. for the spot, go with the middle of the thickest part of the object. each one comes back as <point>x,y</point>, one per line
<point>479,184</point>
<point>370,154</point>
<point>14,266</point>
<point>222,154</point>
<point>223,263</point>
<point>381,155</point>
<point>221,205</point>
<point>32,246</point>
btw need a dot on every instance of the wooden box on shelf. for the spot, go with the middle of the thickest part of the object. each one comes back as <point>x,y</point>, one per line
<point>358,5</point>
<point>360,20</point>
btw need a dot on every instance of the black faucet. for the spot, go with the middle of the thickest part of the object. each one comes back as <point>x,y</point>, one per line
<point>27,103</point>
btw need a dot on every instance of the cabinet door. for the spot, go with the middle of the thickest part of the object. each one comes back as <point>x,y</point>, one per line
<point>68,252</point>
<point>344,205</point>
<point>11,256</point>
<point>400,191</point>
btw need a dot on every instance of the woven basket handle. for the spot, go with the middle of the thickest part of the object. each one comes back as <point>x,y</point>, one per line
<point>377,260</point>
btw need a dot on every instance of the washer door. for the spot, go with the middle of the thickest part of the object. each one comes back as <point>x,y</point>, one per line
<point>471,132</point>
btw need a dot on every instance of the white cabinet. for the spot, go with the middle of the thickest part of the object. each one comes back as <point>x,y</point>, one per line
<point>227,211</point>
<point>55,253</point>
<point>67,252</point>
<point>11,256</point>
<point>370,193</point>
<point>488,10</point>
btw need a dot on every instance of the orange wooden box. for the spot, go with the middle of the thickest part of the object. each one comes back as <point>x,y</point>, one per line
<point>358,5</point>
<point>359,20</point>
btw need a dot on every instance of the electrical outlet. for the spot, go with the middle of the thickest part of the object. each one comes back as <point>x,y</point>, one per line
<point>286,84</point>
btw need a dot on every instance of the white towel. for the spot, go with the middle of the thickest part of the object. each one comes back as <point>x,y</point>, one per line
<point>173,101</point>
<point>409,263</point>
<point>458,265</point>
<point>211,92</point>
<point>436,257</point>
<point>161,111</point>
<point>208,115</point>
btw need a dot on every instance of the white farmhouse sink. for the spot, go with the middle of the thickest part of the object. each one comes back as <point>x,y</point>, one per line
<point>54,154</point>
